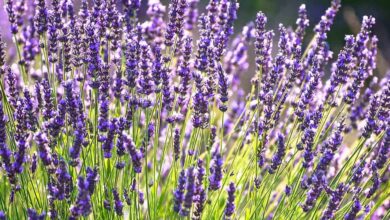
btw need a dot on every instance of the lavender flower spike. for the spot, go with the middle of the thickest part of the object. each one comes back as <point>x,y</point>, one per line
<point>190,188</point>
<point>230,207</point>
<point>278,157</point>
<point>179,192</point>
<point>216,171</point>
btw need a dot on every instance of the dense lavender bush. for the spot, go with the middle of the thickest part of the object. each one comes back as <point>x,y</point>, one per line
<point>105,116</point>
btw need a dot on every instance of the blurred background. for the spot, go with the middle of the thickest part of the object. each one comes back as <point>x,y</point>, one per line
<point>285,11</point>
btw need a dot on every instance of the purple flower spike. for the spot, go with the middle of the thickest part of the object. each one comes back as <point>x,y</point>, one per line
<point>10,9</point>
<point>126,197</point>
<point>302,24</point>
<point>383,154</point>
<point>2,55</point>
<point>75,150</point>
<point>191,14</point>
<point>65,185</point>
<point>334,203</point>
<point>176,144</point>
<point>118,205</point>
<point>29,109</point>
<point>260,43</point>
<point>20,156</point>
<point>223,89</point>
<point>342,67</point>
<point>145,82</point>
<point>5,152</point>
<point>13,91</point>
<point>91,179</point>
<point>82,206</point>
<point>179,192</point>
<point>43,148</point>
<point>230,207</point>
<point>136,155</point>
<point>215,171</point>
<point>375,180</point>
<point>190,188</point>
<point>3,216</point>
<point>278,157</point>
<point>33,215</point>
<point>356,207</point>
<point>41,17</point>
<point>108,143</point>
<point>371,123</point>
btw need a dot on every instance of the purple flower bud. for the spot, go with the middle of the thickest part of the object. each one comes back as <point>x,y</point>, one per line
<point>75,150</point>
<point>341,68</point>
<point>223,89</point>
<point>126,197</point>
<point>20,156</point>
<point>191,15</point>
<point>199,179</point>
<point>179,192</point>
<point>334,202</point>
<point>82,205</point>
<point>5,152</point>
<point>91,179</point>
<point>356,207</point>
<point>199,205</point>
<point>302,23</point>
<point>107,204</point>
<point>358,173</point>
<point>40,17</point>
<point>383,154</point>
<point>184,70</point>
<point>361,38</point>
<point>145,81</point>
<point>371,115</point>
<point>190,188</point>
<point>31,120</point>
<point>136,155</point>
<point>260,43</point>
<point>2,55</point>
<point>176,144</point>
<point>215,171</point>
<point>120,144</point>
<point>309,90</point>
<point>33,215</point>
<point>118,205</point>
<point>201,61</point>
<point>108,142</point>
<point>278,157</point>
<point>375,180</point>
<point>384,111</point>
<point>43,148</point>
<point>287,190</point>
<point>3,216</point>
<point>64,185</point>
<point>13,92</point>
<point>9,8</point>
<point>311,197</point>
<point>47,96</point>
<point>38,97</point>
<point>141,198</point>
<point>120,165</point>
<point>34,162</point>
<point>200,117</point>
<point>230,207</point>
<point>321,30</point>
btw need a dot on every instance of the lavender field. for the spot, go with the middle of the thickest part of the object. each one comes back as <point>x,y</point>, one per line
<point>107,114</point>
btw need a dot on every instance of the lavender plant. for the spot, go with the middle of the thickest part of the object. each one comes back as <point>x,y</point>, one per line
<point>106,116</point>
